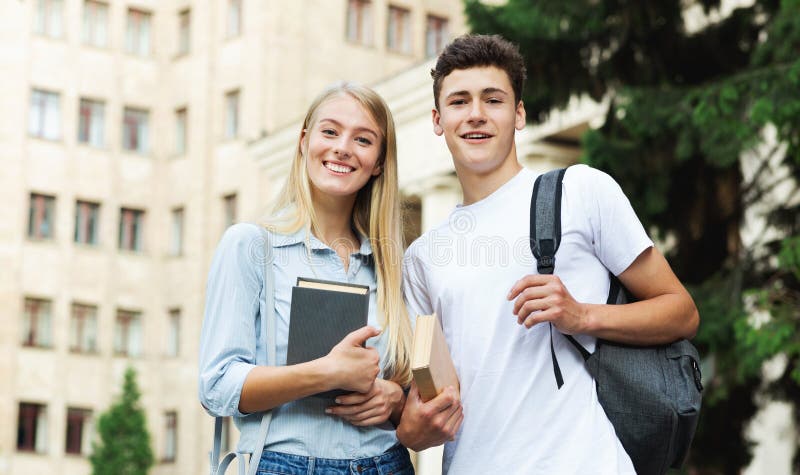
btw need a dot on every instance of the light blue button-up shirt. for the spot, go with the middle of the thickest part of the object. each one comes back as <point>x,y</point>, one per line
<point>231,343</point>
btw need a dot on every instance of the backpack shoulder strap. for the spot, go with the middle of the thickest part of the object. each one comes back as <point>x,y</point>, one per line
<point>545,235</point>
<point>545,239</point>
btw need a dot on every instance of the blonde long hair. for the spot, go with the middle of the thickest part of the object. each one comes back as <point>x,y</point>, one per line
<point>376,214</point>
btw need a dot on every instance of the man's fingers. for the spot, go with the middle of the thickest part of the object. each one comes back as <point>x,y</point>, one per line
<point>533,295</point>
<point>443,400</point>
<point>530,280</point>
<point>530,308</point>
<point>538,317</point>
<point>454,423</point>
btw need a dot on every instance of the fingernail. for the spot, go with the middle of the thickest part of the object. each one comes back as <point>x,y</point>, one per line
<point>337,401</point>
<point>328,411</point>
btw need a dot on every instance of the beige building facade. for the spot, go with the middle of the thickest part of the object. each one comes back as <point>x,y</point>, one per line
<point>134,133</point>
<point>125,146</point>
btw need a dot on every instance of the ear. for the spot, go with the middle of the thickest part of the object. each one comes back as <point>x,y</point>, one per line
<point>519,120</point>
<point>377,170</point>
<point>436,118</point>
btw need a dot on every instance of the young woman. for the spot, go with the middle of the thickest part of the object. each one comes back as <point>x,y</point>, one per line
<point>336,219</point>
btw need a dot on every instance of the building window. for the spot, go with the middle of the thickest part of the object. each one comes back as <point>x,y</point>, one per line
<point>48,19</point>
<point>90,122</point>
<point>135,130</point>
<point>41,216</point>
<point>95,23</point>
<point>137,36</point>
<point>398,31</point>
<point>184,31</point>
<point>180,130</point>
<point>36,327</point>
<point>78,439</point>
<point>170,436</point>
<point>174,333</point>
<point>435,35</point>
<point>45,115</point>
<point>359,21</point>
<point>128,333</point>
<point>131,222</point>
<point>86,217</point>
<point>234,18</point>
<point>229,206</point>
<point>83,329</point>
<point>232,114</point>
<point>32,428</point>
<point>176,242</point>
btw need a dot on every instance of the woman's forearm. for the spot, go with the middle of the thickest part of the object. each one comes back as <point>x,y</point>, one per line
<point>267,387</point>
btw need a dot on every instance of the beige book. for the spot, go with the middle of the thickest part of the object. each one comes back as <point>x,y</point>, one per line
<point>431,363</point>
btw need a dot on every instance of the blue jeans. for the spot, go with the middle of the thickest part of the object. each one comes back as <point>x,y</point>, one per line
<point>394,461</point>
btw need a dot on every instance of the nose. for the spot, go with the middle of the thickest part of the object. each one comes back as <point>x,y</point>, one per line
<point>476,113</point>
<point>342,147</point>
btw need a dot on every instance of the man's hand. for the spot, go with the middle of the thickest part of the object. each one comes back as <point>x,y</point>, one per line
<point>432,423</point>
<point>543,298</point>
<point>384,399</point>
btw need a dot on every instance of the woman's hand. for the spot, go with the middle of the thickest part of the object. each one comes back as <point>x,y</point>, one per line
<point>384,400</point>
<point>351,367</point>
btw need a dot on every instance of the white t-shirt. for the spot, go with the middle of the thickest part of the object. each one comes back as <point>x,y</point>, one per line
<point>516,420</point>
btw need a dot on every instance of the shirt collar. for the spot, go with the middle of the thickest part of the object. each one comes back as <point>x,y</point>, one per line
<point>299,236</point>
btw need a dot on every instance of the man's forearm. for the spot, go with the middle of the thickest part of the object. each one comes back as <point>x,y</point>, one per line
<point>658,320</point>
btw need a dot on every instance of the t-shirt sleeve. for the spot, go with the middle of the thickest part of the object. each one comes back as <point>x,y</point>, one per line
<point>415,291</point>
<point>617,234</point>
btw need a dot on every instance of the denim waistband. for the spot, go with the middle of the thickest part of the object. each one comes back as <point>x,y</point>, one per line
<point>394,461</point>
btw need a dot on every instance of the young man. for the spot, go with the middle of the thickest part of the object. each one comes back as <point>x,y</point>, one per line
<point>476,272</point>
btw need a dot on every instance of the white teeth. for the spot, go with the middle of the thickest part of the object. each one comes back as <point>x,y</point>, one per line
<point>476,136</point>
<point>338,168</point>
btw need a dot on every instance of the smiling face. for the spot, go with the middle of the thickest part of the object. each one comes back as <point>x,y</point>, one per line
<point>478,115</point>
<point>342,147</point>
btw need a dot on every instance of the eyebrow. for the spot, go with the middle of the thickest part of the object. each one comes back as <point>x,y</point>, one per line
<point>488,90</point>
<point>358,129</point>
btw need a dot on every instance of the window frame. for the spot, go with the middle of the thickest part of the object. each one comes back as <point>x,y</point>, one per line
<point>94,31</point>
<point>139,32</point>
<point>433,48</point>
<point>83,329</point>
<point>91,122</point>
<point>398,30</point>
<point>35,426</point>
<point>82,418</point>
<point>128,333</point>
<point>359,28</point>
<point>136,130</point>
<point>87,227</point>
<point>44,114</point>
<point>131,229</point>
<point>41,212</point>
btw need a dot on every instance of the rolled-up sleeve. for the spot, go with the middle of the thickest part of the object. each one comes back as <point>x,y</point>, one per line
<point>228,340</point>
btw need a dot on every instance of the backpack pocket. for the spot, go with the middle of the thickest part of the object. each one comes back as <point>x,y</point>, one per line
<point>683,368</point>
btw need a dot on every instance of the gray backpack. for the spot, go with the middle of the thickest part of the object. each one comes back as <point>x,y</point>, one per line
<point>651,394</point>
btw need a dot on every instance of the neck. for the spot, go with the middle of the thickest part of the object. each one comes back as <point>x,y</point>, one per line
<point>478,185</point>
<point>334,218</point>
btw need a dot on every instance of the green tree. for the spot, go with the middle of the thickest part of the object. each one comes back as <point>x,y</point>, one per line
<point>124,445</point>
<point>690,121</point>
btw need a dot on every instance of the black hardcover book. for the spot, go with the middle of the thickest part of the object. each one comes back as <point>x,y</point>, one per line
<point>322,313</point>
